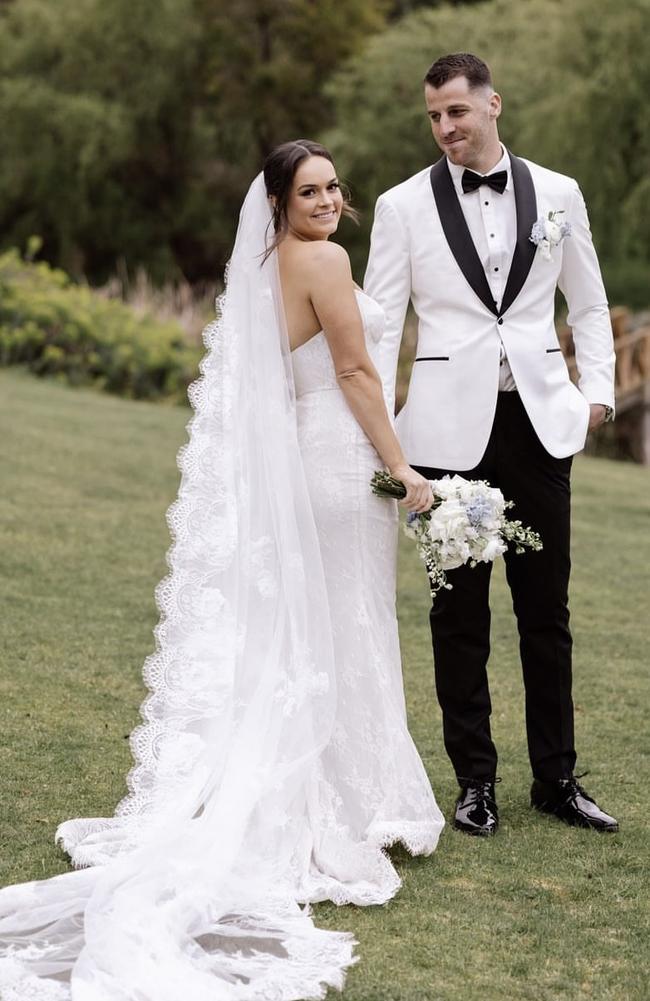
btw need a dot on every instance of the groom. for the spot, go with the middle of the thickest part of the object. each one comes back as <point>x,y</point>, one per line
<point>479,243</point>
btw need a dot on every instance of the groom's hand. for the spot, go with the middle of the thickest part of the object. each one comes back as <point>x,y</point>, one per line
<point>597,414</point>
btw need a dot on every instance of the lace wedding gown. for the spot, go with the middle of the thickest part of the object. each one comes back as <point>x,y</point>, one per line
<point>371,781</point>
<point>273,764</point>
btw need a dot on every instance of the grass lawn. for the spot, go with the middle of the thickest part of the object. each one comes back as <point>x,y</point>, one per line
<point>541,912</point>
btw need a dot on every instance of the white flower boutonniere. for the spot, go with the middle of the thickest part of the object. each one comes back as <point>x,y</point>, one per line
<point>549,232</point>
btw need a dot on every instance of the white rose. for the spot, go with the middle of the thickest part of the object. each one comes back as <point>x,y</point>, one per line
<point>433,527</point>
<point>467,490</point>
<point>552,231</point>
<point>451,562</point>
<point>497,499</point>
<point>452,556</point>
<point>493,548</point>
<point>443,488</point>
<point>450,520</point>
<point>458,482</point>
<point>491,525</point>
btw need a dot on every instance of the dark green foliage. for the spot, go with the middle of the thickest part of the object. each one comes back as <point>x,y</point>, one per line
<point>132,130</point>
<point>574,77</point>
<point>628,282</point>
<point>59,329</point>
<point>99,147</point>
<point>398,8</point>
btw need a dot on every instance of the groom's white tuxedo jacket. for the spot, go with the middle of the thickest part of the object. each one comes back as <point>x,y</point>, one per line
<point>421,249</point>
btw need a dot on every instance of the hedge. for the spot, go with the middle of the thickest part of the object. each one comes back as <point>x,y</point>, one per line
<point>60,329</point>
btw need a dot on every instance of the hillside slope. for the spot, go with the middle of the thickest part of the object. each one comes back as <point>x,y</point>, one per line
<point>539,912</point>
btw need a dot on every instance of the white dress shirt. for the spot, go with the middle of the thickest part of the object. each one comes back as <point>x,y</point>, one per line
<point>492,222</point>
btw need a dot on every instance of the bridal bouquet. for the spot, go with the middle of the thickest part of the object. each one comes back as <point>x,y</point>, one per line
<point>467,524</point>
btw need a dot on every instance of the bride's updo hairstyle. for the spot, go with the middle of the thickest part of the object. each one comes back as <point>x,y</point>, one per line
<point>280,169</point>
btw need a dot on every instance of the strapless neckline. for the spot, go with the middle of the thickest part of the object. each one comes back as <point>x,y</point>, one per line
<point>312,363</point>
<point>320,333</point>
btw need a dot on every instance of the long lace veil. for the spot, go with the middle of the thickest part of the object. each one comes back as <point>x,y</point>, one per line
<point>188,892</point>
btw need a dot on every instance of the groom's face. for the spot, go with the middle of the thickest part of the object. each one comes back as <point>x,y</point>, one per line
<point>463,121</point>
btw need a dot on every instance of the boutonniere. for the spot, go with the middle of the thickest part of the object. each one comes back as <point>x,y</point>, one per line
<point>549,232</point>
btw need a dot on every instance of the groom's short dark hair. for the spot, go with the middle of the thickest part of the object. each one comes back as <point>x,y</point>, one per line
<point>459,64</point>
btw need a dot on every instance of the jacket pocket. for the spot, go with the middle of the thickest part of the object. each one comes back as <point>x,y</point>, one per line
<point>551,351</point>
<point>434,358</point>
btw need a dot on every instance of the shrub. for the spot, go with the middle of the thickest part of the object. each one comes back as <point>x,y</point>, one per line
<point>57,328</point>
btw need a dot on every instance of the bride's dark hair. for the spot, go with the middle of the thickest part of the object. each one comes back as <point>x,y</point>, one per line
<point>280,169</point>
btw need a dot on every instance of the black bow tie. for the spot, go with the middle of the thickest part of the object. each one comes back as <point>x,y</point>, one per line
<point>472,181</point>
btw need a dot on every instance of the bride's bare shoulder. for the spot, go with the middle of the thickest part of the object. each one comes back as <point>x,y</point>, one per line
<point>310,253</point>
<point>310,259</point>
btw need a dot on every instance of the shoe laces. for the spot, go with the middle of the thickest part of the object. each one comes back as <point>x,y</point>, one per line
<point>573,787</point>
<point>480,789</point>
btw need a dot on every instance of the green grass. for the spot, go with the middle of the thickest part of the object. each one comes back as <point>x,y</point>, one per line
<point>542,912</point>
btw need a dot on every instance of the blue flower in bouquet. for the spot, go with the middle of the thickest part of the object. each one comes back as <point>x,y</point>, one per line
<point>413,522</point>
<point>467,524</point>
<point>479,511</point>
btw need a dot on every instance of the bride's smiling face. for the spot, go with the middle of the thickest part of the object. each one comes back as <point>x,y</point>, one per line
<point>315,202</point>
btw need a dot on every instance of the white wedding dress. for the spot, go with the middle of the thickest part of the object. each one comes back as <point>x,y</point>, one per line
<point>370,780</point>
<point>274,763</point>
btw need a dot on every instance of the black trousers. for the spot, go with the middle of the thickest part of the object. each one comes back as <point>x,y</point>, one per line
<point>517,463</point>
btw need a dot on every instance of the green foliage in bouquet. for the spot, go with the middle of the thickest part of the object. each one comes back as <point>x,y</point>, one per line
<point>466,524</point>
<point>60,329</point>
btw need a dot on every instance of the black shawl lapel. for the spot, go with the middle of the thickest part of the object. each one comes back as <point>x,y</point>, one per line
<point>525,249</point>
<point>458,235</point>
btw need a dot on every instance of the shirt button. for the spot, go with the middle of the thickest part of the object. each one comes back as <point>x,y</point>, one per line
<point>486,203</point>
<point>491,236</point>
<point>496,269</point>
<point>500,320</point>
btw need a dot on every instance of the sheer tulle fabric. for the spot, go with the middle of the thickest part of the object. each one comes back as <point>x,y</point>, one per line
<point>234,815</point>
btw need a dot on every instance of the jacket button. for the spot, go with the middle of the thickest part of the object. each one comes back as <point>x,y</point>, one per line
<point>500,320</point>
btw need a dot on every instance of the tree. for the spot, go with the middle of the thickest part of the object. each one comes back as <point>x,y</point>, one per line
<point>398,8</point>
<point>575,99</point>
<point>265,83</point>
<point>131,130</point>
<point>96,135</point>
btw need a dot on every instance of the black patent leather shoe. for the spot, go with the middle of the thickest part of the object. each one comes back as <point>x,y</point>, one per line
<point>476,809</point>
<point>568,801</point>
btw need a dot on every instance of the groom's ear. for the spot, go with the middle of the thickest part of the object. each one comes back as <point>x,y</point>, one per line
<point>494,106</point>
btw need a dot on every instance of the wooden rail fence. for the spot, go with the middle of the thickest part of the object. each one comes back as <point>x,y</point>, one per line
<point>631,429</point>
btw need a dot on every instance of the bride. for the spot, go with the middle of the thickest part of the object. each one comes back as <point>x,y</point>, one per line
<point>273,765</point>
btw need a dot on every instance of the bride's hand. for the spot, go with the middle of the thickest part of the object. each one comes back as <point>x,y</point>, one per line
<point>419,497</point>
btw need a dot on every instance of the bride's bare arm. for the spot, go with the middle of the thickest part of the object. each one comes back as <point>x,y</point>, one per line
<point>331,289</point>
